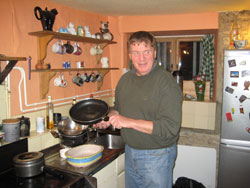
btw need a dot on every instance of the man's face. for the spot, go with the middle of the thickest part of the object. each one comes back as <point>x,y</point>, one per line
<point>142,56</point>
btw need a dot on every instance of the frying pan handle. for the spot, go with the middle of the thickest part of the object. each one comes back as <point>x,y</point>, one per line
<point>54,134</point>
<point>106,118</point>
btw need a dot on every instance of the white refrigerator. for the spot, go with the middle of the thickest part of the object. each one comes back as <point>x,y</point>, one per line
<point>234,161</point>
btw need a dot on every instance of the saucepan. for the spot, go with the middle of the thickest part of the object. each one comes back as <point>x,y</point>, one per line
<point>89,111</point>
<point>69,127</point>
<point>29,164</point>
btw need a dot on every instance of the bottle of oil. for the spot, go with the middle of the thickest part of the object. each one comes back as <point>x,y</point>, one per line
<point>73,101</point>
<point>49,114</point>
<point>234,34</point>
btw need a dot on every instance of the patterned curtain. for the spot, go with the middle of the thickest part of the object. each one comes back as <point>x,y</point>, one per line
<point>207,64</point>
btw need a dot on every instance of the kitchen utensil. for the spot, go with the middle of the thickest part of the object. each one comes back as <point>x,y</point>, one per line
<point>69,127</point>
<point>71,140</point>
<point>89,111</point>
<point>11,129</point>
<point>105,62</point>
<point>77,79</point>
<point>47,17</point>
<point>28,164</point>
<point>85,155</point>
<point>69,48</point>
<point>24,126</point>
<point>62,152</point>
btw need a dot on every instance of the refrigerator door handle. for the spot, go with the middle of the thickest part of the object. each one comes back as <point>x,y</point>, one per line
<point>240,143</point>
<point>239,148</point>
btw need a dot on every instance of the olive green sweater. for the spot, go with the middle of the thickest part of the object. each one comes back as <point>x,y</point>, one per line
<point>154,97</point>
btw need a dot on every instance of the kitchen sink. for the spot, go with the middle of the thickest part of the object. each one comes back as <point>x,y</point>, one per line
<point>110,141</point>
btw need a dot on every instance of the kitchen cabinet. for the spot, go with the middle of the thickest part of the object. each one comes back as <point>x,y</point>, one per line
<point>44,38</point>
<point>112,175</point>
<point>9,66</point>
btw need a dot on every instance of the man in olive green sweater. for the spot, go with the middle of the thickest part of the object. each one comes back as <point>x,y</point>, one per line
<point>147,109</point>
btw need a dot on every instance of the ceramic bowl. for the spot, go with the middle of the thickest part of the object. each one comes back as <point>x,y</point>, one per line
<point>84,155</point>
<point>239,44</point>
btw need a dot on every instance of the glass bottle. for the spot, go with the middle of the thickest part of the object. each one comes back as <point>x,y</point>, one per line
<point>73,101</point>
<point>49,114</point>
<point>234,34</point>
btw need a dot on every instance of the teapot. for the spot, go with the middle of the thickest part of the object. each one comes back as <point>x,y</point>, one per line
<point>47,17</point>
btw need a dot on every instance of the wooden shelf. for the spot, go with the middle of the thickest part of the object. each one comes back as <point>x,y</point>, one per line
<point>47,75</point>
<point>9,66</point>
<point>65,36</point>
<point>43,39</point>
<point>74,69</point>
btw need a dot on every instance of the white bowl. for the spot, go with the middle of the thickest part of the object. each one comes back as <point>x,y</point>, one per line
<point>84,155</point>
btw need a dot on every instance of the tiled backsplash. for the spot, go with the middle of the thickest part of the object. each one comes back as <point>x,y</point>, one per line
<point>198,115</point>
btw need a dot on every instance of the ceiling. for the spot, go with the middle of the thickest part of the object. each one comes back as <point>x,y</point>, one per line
<point>155,7</point>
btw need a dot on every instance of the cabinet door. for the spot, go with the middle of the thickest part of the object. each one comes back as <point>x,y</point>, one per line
<point>121,180</point>
<point>107,177</point>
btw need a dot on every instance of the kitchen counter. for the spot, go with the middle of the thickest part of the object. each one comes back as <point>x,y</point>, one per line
<point>52,158</point>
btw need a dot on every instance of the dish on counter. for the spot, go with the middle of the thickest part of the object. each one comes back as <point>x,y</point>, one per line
<point>84,155</point>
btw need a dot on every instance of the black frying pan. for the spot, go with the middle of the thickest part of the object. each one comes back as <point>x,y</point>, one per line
<point>89,111</point>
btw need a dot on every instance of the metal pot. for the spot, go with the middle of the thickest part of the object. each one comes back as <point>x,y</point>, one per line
<point>89,111</point>
<point>71,140</point>
<point>28,164</point>
<point>69,127</point>
<point>31,164</point>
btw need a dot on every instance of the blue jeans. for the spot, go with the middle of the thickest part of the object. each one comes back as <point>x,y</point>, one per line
<point>149,168</point>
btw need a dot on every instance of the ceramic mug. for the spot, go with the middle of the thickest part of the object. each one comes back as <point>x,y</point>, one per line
<point>96,50</point>
<point>98,77</point>
<point>69,48</point>
<point>84,76</point>
<point>79,64</point>
<point>57,81</point>
<point>64,83</point>
<point>77,49</point>
<point>105,62</point>
<point>77,80</point>
<point>92,77</point>
<point>57,47</point>
<point>62,49</point>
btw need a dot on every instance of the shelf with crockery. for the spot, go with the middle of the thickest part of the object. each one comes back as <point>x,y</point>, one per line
<point>46,74</point>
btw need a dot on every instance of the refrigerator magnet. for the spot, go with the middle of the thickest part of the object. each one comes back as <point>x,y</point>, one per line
<point>232,63</point>
<point>243,63</point>
<point>229,90</point>
<point>242,98</point>
<point>235,84</point>
<point>246,85</point>
<point>245,73</point>
<point>248,129</point>
<point>234,74</point>
<point>229,116</point>
<point>241,109</point>
<point>233,110</point>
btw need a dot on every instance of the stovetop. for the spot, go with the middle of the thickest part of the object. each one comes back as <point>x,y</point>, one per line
<point>48,179</point>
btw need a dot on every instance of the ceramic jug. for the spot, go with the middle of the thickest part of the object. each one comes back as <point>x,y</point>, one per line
<point>47,17</point>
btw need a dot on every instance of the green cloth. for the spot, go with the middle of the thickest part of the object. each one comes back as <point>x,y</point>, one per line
<point>207,66</point>
<point>154,97</point>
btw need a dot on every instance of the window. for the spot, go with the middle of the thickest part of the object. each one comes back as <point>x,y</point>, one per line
<point>181,53</point>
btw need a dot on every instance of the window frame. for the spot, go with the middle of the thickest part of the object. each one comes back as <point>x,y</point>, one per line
<point>189,34</point>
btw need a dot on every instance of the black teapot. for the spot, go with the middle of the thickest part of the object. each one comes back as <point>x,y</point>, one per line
<point>47,17</point>
<point>24,126</point>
